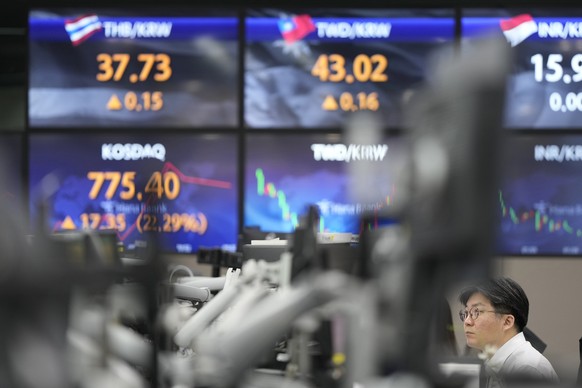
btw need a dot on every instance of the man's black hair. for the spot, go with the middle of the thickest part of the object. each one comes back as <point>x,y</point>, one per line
<point>506,297</point>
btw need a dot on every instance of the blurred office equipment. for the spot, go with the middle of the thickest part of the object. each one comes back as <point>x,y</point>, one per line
<point>446,232</point>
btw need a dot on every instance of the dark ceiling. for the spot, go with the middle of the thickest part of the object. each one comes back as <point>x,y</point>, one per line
<point>13,14</point>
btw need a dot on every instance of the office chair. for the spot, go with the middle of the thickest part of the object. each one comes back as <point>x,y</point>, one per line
<point>535,341</point>
<point>579,379</point>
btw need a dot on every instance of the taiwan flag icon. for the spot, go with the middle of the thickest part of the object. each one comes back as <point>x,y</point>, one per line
<point>296,28</point>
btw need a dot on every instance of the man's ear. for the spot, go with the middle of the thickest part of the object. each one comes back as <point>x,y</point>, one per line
<point>508,321</point>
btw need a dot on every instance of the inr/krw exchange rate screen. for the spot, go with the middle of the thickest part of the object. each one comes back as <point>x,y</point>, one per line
<point>544,88</point>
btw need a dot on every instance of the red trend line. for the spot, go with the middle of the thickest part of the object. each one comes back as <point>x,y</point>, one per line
<point>128,231</point>
<point>196,180</point>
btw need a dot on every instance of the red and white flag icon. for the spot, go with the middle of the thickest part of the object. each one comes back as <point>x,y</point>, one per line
<point>518,28</point>
<point>81,28</point>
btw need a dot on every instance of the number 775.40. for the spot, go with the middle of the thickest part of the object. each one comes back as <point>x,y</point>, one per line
<point>161,184</point>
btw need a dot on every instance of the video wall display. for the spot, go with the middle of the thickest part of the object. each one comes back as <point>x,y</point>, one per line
<point>286,173</point>
<point>539,199</point>
<point>182,189</point>
<point>315,68</point>
<point>545,89</point>
<point>274,89</point>
<point>133,68</point>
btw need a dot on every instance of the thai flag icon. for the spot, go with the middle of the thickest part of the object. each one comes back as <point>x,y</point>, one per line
<point>82,28</point>
<point>296,28</point>
<point>518,28</point>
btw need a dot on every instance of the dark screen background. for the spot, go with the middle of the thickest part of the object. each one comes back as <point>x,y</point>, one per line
<point>11,169</point>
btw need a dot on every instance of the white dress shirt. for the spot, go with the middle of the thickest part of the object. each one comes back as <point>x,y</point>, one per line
<point>518,359</point>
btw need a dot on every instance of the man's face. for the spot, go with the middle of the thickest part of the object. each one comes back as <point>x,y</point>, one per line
<point>487,328</point>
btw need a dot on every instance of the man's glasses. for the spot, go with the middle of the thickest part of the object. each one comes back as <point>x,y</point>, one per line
<point>473,312</point>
